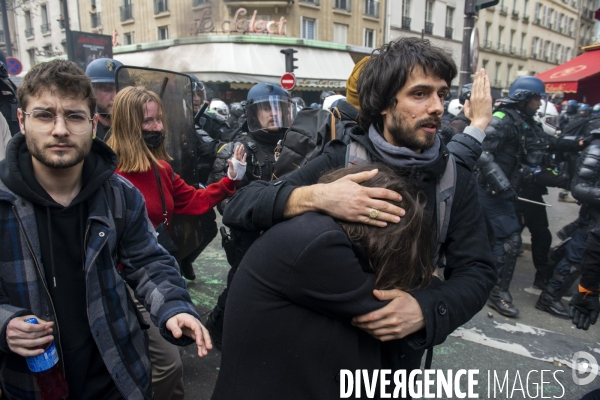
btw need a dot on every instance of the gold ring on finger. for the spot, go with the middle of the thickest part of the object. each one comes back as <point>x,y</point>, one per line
<point>374,213</point>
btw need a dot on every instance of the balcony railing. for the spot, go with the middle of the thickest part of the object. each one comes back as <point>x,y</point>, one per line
<point>515,14</point>
<point>406,23</point>
<point>500,47</point>
<point>429,28</point>
<point>534,56</point>
<point>523,53</point>
<point>198,2</point>
<point>503,10</point>
<point>160,6</point>
<point>126,12</point>
<point>96,19</point>
<point>536,21</point>
<point>449,32</point>
<point>313,2</point>
<point>512,50</point>
<point>372,8</point>
<point>45,28</point>
<point>526,18</point>
<point>29,32</point>
<point>342,5</point>
<point>487,44</point>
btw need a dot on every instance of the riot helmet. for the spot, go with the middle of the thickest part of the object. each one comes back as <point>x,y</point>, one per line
<point>331,101</point>
<point>455,107</point>
<point>269,108</point>
<point>198,92</point>
<point>102,70</point>
<point>219,107</point>
<point>584,109</point>
<point>3,67</point>
<point>325,94</point>
<point>300,104</point>
<point>549,120</point>
<point>527,88</point>
<point>596,109</point>
<point>236,109</point>
<point>465,93</point>
<point>572,106</point>
<point>102,74</point>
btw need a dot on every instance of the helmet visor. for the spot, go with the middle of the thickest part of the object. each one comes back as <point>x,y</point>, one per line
<point>270,113</point>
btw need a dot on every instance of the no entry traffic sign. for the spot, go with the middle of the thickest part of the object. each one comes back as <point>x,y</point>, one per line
<point>288,81</point>
<point>14,66</point>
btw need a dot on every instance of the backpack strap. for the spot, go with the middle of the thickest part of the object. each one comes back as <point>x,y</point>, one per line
<point>444,192</point>
<point>357,154</point>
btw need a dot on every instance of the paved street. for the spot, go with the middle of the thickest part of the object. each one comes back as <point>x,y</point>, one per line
<point>489,342</point>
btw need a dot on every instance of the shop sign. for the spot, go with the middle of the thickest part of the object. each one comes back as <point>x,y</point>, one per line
<point>320,83</point>
<point>237,25</point>
<point>567,87</point>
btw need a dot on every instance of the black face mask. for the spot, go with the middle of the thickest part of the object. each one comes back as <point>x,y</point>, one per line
<point>153,139</point>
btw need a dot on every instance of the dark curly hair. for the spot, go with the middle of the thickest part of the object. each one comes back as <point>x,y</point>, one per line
<point>388,69</point>
<point>58,77</point>
<point>401,254</point>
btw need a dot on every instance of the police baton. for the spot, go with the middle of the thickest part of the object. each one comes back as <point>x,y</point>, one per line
<point>534,202</point>
<point>200,113</point>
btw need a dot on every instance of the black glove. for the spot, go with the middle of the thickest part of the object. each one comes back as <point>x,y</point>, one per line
<point>584,309</point>
<point>509,194</point>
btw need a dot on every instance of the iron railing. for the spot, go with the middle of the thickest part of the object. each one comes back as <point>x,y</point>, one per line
<point>96,19</point>
<point>45,28</point>
<point>406,23</point>
<point>449,32</point>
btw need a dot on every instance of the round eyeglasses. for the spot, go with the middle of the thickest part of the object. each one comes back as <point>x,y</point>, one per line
<point>44,121</point>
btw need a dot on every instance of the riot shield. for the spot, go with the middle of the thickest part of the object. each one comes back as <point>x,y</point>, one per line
<point>175,90</point>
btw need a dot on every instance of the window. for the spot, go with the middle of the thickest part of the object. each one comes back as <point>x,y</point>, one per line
<point>340,33</point>
<point>128,37</point>
<point>44,14</point>
<point>500,33</point>
<point>484,64</point>
<point>543,12</point>
<point>511,41</point>
<point>31,56</point>
<point>523,35</point>
<point>429,11</point>
<point>369,38</point>
<point>406,8</point>
<point>341,5</point>
<point>372,8</point>
<point>552,48</point>
<point>508,70</point>
<point>525,8</point>
<point>534,43</point>
<point>126,10</point>
<point>161,6</point>
<point>309,28</point>
<point>548,23</point>
<point>449,17</point>
<point>28,27</point>
<point>537,13</point>
<point>497,82</point>
<point>545,52</point>
<point>163,32</point>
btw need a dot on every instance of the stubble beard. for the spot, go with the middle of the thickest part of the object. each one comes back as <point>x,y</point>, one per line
<point>405,135</point>
<point>60,160</point>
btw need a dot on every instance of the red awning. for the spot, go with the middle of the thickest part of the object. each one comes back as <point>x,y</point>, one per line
<point>565,78</point>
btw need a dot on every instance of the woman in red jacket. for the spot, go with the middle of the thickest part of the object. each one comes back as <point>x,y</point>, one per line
<point>137,137</point>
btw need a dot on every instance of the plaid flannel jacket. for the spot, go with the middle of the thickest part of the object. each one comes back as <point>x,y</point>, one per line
<point>114,321</point>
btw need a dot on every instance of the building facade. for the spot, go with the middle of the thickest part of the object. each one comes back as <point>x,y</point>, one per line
<point>347,22</point>
<point>526,37</point>
<point>440,21</point>
<point>39,30</point>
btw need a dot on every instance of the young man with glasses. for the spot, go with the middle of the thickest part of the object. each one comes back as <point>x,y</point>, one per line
<point>66,222</point>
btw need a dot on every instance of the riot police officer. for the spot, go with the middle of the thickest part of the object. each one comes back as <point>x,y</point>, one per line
<point>102,74</point>
<point>269,112</point>
<point>586,189</point>
<point>460,122</point>
<point>511,140</point>
<point>570,112</point>
<point>8,98</point>
<point>236,116</point>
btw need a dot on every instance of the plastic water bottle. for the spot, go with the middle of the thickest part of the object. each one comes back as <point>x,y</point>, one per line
<point>47,372</point>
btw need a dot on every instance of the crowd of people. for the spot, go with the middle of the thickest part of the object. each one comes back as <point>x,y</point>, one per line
<point>398,230</point>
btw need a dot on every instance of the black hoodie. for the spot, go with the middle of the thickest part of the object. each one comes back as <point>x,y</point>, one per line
<point>61,232</point>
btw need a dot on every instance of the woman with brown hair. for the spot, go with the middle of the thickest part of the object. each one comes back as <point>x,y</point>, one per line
<point>287,328</point>
<point>137,137</point>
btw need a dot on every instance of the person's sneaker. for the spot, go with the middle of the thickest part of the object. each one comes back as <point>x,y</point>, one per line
<point>565,198</point>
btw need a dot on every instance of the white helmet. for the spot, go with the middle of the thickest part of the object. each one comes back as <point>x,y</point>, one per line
<point>455,107</point>
<point>329,100</point>
<point>549,119</point>
<point>220,108</point>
